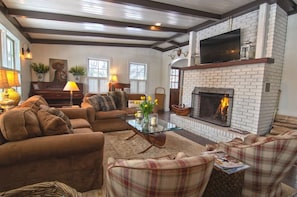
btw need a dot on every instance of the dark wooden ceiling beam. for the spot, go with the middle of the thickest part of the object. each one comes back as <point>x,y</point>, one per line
<point>80,19</point>
<point>71,42</point>
<point>79,33</point>
<point>167,8</point>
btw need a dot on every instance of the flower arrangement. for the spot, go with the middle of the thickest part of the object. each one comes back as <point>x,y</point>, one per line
<point>147,105</point>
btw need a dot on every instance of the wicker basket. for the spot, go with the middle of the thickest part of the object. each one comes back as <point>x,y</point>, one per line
<point>181,110</point>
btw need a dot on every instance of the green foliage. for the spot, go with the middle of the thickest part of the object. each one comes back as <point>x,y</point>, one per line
<point>77,70</point>
<point>40,67</point>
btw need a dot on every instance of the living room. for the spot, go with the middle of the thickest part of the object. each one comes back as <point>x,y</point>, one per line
<point>158,65</point>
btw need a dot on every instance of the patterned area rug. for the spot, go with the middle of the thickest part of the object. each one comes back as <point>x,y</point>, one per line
<point>117,146</point>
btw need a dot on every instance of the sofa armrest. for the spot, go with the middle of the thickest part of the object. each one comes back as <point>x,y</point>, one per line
<point>90,111</point>
<point>75,113</point>
<point>43,148</point>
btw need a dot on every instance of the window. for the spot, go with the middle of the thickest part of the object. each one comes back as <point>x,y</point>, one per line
<point>98,72</point>
<point>137,76</point>
<point>174,78</point>
<point>10,56</point>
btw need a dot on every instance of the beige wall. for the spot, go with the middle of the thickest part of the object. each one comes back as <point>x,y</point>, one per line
<point>288,98</point>
<point>119,57</point>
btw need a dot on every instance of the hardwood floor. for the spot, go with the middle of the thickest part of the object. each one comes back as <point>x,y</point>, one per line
<point>290,180</point>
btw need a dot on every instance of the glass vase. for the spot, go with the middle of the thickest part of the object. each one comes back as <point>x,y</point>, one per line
<point>145,122</point>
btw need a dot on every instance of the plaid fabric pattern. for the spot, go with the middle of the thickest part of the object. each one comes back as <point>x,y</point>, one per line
<point>270,159</point>
<point>106,103</point>
<point>180,177</point>
<point>94,101</point>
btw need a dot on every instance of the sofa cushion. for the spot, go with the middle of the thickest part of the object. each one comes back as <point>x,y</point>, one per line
<point>52,124</point>
<point>19,124</point>
<point>107,103</point>
<point>120,98</point>
<point>34,103</point>
<point>59,113</point>
<point>94,101</point>
<point>110,114</point>
<point>79,123</point>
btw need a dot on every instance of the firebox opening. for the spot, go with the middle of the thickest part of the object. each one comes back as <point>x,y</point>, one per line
<point>212,105</point>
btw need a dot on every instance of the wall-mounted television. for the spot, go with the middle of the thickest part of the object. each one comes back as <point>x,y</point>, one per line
<point>221,48</point>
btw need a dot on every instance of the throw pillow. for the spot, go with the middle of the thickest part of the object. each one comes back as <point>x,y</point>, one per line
<point>94,101</point>
<point>19,124</point>
<point>107,103</point>
<point>120,98</point>
<point>51,124</point>
<point>34,103</point>
<point>59,113</point>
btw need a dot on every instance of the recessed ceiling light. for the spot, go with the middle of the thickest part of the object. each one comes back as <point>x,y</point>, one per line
<point>158,24</point>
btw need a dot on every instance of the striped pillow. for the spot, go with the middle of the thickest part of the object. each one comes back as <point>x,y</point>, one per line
<point>94,101</point>
<point>107,103</point>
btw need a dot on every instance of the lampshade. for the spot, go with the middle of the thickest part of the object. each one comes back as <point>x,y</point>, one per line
<point>3,79</point>
<point>71,86</point>
<point>13,78</point>
<point>114,78</point>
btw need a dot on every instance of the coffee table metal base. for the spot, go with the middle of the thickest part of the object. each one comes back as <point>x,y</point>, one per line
<point>155,139</point>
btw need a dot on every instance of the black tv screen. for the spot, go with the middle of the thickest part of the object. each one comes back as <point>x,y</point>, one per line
<point>221,48</point>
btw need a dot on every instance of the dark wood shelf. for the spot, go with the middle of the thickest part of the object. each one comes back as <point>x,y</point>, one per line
<point>231,63</point>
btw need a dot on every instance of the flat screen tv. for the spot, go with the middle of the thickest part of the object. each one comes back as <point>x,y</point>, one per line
<point>221,48</point>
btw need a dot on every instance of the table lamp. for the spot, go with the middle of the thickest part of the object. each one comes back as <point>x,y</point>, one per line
<point>71,86</point>
<point>5,103</point>
<point>113,80</point>
<point>13,81</point>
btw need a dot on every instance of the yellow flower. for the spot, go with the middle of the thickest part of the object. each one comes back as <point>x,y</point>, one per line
<point>149,98</point>
<point>142,97</point>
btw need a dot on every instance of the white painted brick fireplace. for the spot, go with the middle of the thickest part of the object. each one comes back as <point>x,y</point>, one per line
<point>253,105</point>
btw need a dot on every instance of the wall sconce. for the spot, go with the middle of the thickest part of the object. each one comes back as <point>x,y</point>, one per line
<point>27,53</point>
<point>178,53</point>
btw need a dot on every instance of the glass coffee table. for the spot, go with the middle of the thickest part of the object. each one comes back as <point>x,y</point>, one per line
<point>155,135</point>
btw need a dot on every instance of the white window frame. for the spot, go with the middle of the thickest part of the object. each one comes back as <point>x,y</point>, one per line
<point>174,78</point>
<point>15,55</point>
<point>98,84</point>
<point>138,85</point>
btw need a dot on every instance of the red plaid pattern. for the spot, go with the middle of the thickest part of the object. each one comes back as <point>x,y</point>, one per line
<point>187,176</point>
<point>270,159</point>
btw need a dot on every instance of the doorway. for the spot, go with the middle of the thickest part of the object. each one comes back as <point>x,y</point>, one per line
<point>174,87</point>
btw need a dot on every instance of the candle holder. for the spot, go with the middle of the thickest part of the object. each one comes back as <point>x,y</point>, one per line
<point>154,120</point>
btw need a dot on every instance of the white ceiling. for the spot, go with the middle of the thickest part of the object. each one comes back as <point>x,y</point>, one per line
<point>121,23</point>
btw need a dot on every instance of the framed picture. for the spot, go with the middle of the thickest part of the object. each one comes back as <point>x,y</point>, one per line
<point>58,70</point>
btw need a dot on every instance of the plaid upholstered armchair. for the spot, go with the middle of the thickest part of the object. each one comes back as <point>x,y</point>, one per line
<point>270,159</point>
<point>182,176</point>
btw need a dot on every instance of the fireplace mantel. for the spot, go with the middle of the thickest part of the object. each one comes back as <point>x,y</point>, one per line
<point>231,63</point>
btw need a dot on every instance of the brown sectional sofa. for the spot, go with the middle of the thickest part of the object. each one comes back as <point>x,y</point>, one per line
<point>110,120</point>
<point>38,145</point>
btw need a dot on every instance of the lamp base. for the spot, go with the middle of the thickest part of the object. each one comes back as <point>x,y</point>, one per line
<point>7,104</point>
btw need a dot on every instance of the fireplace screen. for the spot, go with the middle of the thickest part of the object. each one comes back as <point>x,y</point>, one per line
<point>212,105</point>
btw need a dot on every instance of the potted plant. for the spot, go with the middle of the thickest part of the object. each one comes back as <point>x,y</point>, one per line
<point>40,69</point>
<point>77,72</point>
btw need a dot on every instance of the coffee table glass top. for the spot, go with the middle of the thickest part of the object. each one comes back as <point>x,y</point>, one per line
<point>161,127</point>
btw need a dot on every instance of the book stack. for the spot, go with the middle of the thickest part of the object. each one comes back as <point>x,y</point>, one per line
<point>227,163</point>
